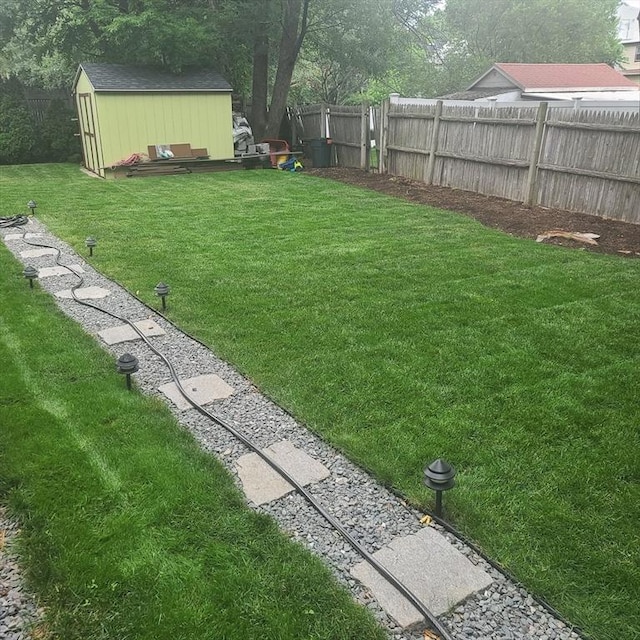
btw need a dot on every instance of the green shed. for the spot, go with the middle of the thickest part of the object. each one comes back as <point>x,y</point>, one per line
<point>124,110</point>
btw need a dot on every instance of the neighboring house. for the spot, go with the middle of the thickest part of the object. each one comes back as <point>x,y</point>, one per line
<point>509,82</point>
<point>124,110</point>
<point>629,34</point>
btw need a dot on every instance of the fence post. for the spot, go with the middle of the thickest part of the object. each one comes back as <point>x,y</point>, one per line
<point>364,136</point>
<point>536,153</point>
<point>434,143</point>
<point>323,120</point>
<point>293,115</point>
<point>384,134</point>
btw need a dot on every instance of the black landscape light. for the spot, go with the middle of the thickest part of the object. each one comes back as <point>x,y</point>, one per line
<point>439,476</point>
<point>91,242</point>
<point>32,204</point>
<point>127,364</point>
<point>162,290</point>
<point>30,273</point>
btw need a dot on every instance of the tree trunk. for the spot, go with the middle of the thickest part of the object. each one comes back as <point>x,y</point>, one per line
<point>260,78</point>
<point>294,27</point>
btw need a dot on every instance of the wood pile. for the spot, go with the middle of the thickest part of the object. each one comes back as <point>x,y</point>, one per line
<point>153,169</point>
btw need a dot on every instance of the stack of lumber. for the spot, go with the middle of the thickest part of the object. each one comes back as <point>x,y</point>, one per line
<point>153,169</point>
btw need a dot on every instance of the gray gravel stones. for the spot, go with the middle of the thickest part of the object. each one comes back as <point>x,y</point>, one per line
<point>18,609</point>
<point>373,515</point>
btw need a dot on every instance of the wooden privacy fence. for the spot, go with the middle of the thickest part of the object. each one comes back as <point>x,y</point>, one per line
<point>38,101</point>
<point>581,160</point>
<point>349,129</point>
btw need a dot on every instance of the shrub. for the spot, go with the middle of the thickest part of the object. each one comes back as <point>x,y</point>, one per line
<point>57,140</point>
<point>17,131</point>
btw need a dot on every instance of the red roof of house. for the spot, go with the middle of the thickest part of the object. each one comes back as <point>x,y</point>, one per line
<point>564,76</point>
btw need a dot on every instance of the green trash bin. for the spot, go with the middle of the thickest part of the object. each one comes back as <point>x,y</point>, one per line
<point>320,152</point>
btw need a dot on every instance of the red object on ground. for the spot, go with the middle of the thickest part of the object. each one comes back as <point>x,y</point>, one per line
<point>277,148</point>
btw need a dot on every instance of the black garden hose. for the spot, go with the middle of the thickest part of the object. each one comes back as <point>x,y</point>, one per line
<point>13,221</point>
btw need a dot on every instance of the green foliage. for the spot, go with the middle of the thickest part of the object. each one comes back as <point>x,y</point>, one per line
<point>349,46</point>
<point>572,31</point>
<point>44,41</point>
<point>351,50</point>
<point>57,141</point>
<point>17,129</point>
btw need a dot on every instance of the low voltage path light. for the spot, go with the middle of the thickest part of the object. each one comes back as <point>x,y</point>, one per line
<point>162,290</point>
<point>439,476</point>
<point>30,273</point>
<point>32,204</point>
<point>127,364</point>
<point>91,242</point>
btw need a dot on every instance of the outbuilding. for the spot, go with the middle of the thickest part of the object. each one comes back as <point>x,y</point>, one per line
<point>125,110</point>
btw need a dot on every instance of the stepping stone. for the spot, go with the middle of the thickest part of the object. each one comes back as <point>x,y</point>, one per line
<point>85,293</point>
<point>262,484</point>
<point>38,253</point>
<point>125,333</point>
<point>47,272</point>
<point>203,389</point>
<point>19,236</point>
<point>431,568</point>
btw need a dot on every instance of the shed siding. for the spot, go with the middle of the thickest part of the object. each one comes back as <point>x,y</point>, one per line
<point>129,122</point>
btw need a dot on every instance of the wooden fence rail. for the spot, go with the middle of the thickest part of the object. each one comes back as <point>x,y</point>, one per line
<point>582,160</point>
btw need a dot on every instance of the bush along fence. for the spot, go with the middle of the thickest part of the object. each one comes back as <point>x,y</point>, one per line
<point>583,160</point>
<point>36,126</point>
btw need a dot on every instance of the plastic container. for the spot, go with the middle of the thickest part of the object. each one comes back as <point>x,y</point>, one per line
<point>320,152</point>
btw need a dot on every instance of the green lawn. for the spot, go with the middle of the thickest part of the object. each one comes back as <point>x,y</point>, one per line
<point>130,532</point>
<point>402,333</point>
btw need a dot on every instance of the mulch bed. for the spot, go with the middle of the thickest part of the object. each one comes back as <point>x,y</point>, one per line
<point>619,238</point>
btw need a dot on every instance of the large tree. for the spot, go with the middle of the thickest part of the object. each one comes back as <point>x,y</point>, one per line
<point>44,40</point>
<point>292,19</point>
<point>349,46</point>
<point>463,38</point>
<point>572,31</point>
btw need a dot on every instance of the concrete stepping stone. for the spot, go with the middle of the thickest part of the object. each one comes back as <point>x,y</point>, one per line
<point>203,389</point>
<point>38,253</point>
<point>48,272</point>
<point>85,293</point>
<point>262,484</point>
<point>430,566</point>
<point>126,333</point>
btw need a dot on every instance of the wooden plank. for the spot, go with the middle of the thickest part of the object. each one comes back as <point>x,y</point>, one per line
<point>536,150</point>
<point>591,126</point>
<point>412,116</point>
<point>602,175</point>
<point>181,150</point>
<point>506,121</point>
<point>396,147</point>
<point>504,162</point>
<point>435,133</point>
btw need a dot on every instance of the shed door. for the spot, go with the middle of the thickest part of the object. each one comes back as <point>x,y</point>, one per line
<point>88,130</point>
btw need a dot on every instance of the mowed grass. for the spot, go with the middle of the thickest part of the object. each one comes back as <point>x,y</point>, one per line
<point>402,333</point>
<point>130,532</point>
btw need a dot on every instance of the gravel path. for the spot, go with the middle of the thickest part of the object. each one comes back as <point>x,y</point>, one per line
<point>374,516</point>
<point>18,609</point>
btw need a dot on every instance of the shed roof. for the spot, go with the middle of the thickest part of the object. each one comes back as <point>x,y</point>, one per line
<point>560,77</point>
<point>126,78</point>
